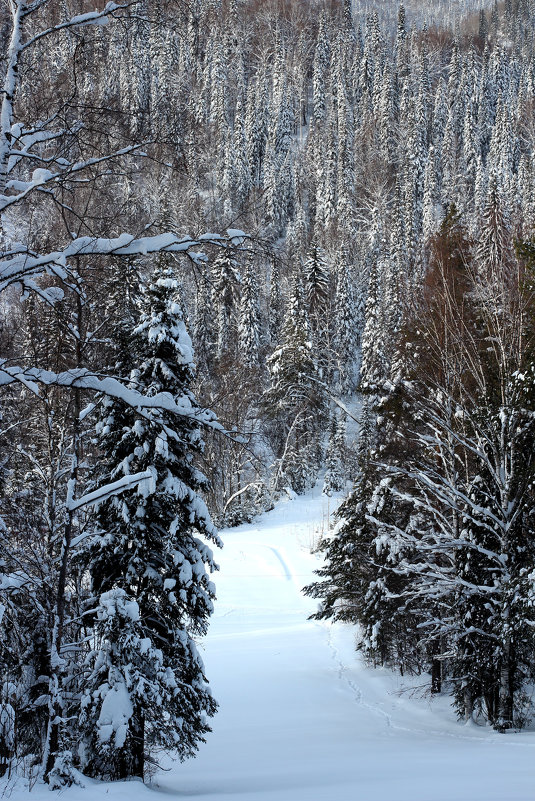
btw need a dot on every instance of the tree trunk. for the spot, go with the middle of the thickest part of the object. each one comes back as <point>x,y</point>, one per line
<point>56,702</point>
<point>468,703</point>
<point>436,668</point>
<point>506,695</point>
<point>56,663</point>
<point>138,743</point>
<point>436,676</point>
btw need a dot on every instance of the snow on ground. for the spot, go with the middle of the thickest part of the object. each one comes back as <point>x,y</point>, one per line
<point>301,718</point>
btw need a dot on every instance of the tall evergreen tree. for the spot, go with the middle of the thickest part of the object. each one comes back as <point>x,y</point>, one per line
<point>294,400</point>
<point>249,325</point>
<point>347,327</point>
<point>225,299</point>
<point>147,563</point>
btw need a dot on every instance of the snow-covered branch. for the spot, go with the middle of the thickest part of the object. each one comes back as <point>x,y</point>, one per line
<point>42,178</point>
<point>78,21</point>
<point>81,378</point>
<point>19,266</point>
<point>109,490</point>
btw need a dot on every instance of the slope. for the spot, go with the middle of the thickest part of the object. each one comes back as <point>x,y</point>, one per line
<point>301,718</point>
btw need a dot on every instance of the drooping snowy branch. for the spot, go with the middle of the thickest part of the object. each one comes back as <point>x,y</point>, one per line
<point>81,378</point>
<point>21,266</point>
<point>77,21</point>
<point>43,179</point>
<point>109,490</point>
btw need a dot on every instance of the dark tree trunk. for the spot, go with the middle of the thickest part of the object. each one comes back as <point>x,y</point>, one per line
<point>436,668</point>
<point>138,743</point>
<point>436,676</point>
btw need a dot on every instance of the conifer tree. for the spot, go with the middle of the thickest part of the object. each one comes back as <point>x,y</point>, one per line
<point>335,475</point>
<point>249,325</point>
<point>316,280</point>
<point>275,303</point>
<point>346,327</point>
<point>431,202</point>
<point>225,298</point>
<point>147,562</point>
<point>483,28</point>
<point>204,323</point>
<point>321,61</point>
<point>359,582</point>
<point>294,400</point>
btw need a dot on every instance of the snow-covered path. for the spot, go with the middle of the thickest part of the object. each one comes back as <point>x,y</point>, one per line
<point>301,719</point>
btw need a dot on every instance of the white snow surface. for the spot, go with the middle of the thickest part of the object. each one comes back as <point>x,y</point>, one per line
<point>301,717</point>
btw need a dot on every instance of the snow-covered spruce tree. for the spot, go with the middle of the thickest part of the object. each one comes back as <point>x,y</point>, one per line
<point>145,685</point>
<point>294,401</point>
<point>275,305</point>
<point>225,299</point>
<point>335,473</point>
<point>358,583</point>
<point>204,324</point>
<point>249,324</point>
<point>316,280</point>
<point>347,313</point>
<point>345,578</point>
<point>316,284</point>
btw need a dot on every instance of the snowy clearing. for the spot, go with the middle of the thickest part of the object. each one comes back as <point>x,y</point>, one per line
<point>301,719</point>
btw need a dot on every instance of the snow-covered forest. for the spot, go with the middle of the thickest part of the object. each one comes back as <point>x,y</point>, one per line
<point>246,246</point>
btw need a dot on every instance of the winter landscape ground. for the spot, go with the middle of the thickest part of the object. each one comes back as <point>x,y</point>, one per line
<point>301,718</point>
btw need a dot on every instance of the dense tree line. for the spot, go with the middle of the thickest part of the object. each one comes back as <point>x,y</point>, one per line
<point>434,557</point>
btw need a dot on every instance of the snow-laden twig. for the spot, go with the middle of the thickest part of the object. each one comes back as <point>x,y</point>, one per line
<point>109,490</point>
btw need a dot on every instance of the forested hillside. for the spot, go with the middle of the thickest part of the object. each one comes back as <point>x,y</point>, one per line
<point>228,227</point>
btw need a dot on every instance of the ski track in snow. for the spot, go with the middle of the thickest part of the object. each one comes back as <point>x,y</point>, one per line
<point>283,563</point>
<point>345,677</point>
<point>301,717</point>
